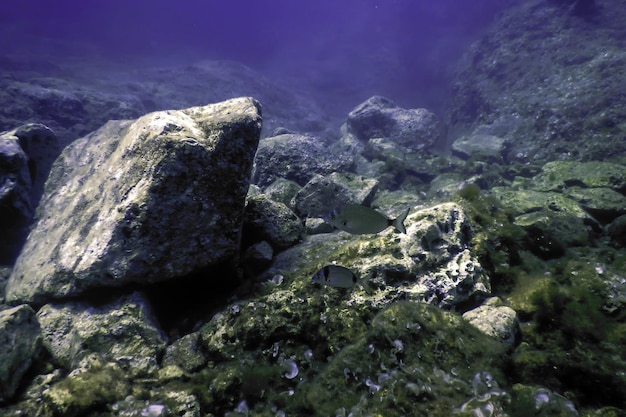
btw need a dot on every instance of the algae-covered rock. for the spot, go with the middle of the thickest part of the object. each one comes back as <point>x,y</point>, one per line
<point>414,359</point>
<point>603,203</point>
<point>123,331</point>
<point>141,201</point>
<point>186,352</point>
<point>272,221</point>
<point>20,340</point>
<point>617,231</point>
<point>497,321</point>
<point>558,175</point>
<point>282,191</point>
<point>95,383</point>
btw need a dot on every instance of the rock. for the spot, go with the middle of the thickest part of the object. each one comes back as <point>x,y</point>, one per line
<point>94,383</point>
<point>20,340</point>
<point>497,321</point>
<point>5,273</point>
<point>257,257</point>
<point>393,164</point>
<point>322,194</point>
<point>603,204</point>
<point>296,158</point>
<point>479,147</point>
<point>187,353</point>
<point>111,212</point>
<point>559,175</point>
<point>271,221</point>
<point>122,331</point>
<point>26,155</point>
<point>378,117</point>
<point>431,263</point>
<point>567,229</point>
<point>617,231</point>
<point>282,191</point>
<point>567,105</point>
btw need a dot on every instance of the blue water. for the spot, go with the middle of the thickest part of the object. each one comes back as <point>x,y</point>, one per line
<point>403,49</point>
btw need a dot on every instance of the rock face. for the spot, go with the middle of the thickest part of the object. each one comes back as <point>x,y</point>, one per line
<point>26,155</point>
<point>378,117</point>
<point>554,94</point>
<point>20,339</point>
<point>141,201</point>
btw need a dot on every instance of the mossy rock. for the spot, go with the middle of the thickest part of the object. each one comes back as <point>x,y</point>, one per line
<point>87,389</point>
<point>559,175</point>
<point>603,203</point>
<point>414,359</point>
<point>528,201</point>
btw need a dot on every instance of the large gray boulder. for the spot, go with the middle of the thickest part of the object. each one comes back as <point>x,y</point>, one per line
<point>141,201</point>
<point>26,155</point>
<point>20,339</point>
<point>378,117</point>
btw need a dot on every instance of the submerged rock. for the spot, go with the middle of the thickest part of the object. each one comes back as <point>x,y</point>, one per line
<point>141,201</point>
<point>26,155</point>
<point>497,321</point>
<point>297,158</point>
<point>555,94</point>
<point>323,194</point>
<point>20,340</point>
<point>480,147</point>
<point>431,262</point>
<point>378,117</point>
<point>271,221</point>
<point>122,331</point>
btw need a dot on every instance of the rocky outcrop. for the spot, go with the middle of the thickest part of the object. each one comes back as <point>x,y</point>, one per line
<point>431,263</point>
<point>26,155</point>
<point>141,201</point>
<point>413,130</point>
<point>552,92</point>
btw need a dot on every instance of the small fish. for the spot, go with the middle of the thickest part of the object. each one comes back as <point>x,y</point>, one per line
<point>360,220</point>
<point>338,277</point>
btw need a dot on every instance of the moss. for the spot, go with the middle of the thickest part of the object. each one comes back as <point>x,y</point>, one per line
<point>572,344</point>
<point>496,240</point>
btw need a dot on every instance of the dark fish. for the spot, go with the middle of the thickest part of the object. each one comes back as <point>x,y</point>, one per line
<point>337,276</point>
<point>360,220</point>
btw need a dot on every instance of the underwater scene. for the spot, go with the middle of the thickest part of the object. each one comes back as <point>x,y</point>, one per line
<point>333,208</point>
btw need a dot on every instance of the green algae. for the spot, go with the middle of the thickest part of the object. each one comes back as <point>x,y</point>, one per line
<point>92,388</point>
